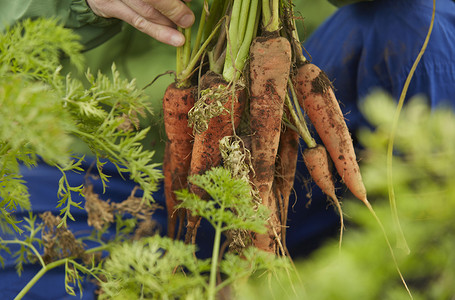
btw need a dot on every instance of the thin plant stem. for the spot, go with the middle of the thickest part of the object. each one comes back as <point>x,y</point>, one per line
<point>214,266</point>
<point>217,9</point>
<point>401,241</point>
<point>185,74</point>
<point>38,275</point>
<point>183,54</point>
<point>179,57</point>
<point>370,208</point>
<point>34,250</point>
<point>187,45</point>
<point>297,117</point>
<point>200,31</point>
<point>297,44</point>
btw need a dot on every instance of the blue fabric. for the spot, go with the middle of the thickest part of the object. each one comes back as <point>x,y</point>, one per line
<point>373,45</point>
<point>42,183</point>
<point>361,47</point>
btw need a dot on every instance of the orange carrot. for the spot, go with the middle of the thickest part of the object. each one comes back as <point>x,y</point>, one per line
<point>315,95</point>
<point>206,149</point>
<point>176,104</point>
<point>286,163</point>
<point>318,165</point>
<point>270,60</point>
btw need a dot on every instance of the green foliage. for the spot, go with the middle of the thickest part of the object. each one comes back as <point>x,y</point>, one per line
<point>34,48</point>
<point>30,105</point>
<point>152,269</point>
<point>44,114</point>
<point>27,251</point>
<point>161,268</point>
<point>32,119</point>
<point>423,181</point>
<point>107,116</point>
<point>231,205</point>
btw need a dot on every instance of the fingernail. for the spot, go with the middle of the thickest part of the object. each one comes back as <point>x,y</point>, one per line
<point>187,20</point>
<point>177,40</point>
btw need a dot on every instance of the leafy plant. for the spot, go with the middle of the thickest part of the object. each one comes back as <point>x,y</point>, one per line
<point>162,268</point>
<point>45,114</point>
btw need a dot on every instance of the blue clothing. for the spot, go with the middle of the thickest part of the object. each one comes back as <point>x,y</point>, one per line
<point>42,182</point>
<point>361,47</point>
<point>372,45</point>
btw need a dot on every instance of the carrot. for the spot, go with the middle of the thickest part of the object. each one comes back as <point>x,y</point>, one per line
<point>270,60</point>
<point>286,163</point>
<point>315,95</point>
<point>318,165</point>
<point>206,149</point>
<point>176,104</point>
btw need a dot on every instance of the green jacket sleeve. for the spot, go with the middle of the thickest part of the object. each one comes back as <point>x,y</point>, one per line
<point>74,14</point>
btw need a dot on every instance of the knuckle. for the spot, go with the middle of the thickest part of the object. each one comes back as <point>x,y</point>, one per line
<point>174,13</point>
<point>139,23</point>
<point>172,9</point>
<point>149,12</point>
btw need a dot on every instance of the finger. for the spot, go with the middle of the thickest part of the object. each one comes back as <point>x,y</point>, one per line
<point>162,33</point>
<point>175,10</point>
<point>149,12</point>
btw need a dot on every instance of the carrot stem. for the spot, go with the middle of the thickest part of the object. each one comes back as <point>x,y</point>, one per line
<point>187,46</point>
<point>179,66</point>
<point>200,30</point>
<point>297,117</point>
<point>234,26</point>
<point>243,20</point>
<point>217,11</point>
<point>271,15</point>
<point>183,55</point>
<point>232,68</point>
<point>297,44</point>
<point>185,74</point>
<point>266,13</point>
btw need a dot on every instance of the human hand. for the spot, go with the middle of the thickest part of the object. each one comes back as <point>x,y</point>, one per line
<point>157,18</point>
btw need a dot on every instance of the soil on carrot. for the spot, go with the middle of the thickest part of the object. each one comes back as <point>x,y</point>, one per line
<point>321,83</point>
<point>211,79</point>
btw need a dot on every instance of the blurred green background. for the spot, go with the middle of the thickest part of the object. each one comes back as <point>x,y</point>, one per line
<point>138,56</point>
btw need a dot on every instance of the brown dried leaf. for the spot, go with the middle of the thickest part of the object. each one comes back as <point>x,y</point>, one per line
<point>99,211</point>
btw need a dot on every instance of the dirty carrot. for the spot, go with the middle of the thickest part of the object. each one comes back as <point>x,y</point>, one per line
<point>318,165</point>
<point>286,163</point>
<point>315,95</point>
<point>176,104</point>
<point>206,148</point>
<point>270,60</point>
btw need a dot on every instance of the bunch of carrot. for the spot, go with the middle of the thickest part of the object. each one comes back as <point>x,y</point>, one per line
<point>246,76</point>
